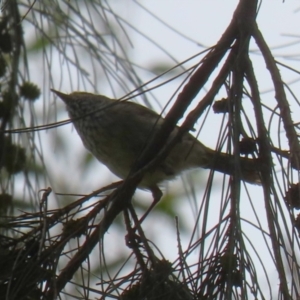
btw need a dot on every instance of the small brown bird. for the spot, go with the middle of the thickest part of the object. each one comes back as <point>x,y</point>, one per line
<point>116,133</point>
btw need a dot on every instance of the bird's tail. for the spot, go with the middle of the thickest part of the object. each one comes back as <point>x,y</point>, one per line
<point>246,168</point>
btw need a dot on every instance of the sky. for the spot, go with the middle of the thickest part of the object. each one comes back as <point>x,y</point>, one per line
<point>200,23</point>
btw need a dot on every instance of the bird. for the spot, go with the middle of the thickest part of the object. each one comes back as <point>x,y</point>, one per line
<point>116,132</point>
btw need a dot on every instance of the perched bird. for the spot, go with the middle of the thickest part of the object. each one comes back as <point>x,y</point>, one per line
<point>116,132</point>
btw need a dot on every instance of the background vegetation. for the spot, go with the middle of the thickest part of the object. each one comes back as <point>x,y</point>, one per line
<point>62,239</point>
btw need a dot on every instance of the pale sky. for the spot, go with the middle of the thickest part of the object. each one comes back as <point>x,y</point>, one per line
<point>202,22</point>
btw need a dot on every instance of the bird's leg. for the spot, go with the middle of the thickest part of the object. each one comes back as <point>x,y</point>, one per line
<point>157,194</point>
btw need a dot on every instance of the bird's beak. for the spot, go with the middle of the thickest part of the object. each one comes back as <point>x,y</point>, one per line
<point>62,96</point>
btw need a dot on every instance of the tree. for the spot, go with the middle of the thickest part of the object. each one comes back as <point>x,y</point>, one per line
<point>237,242</point>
